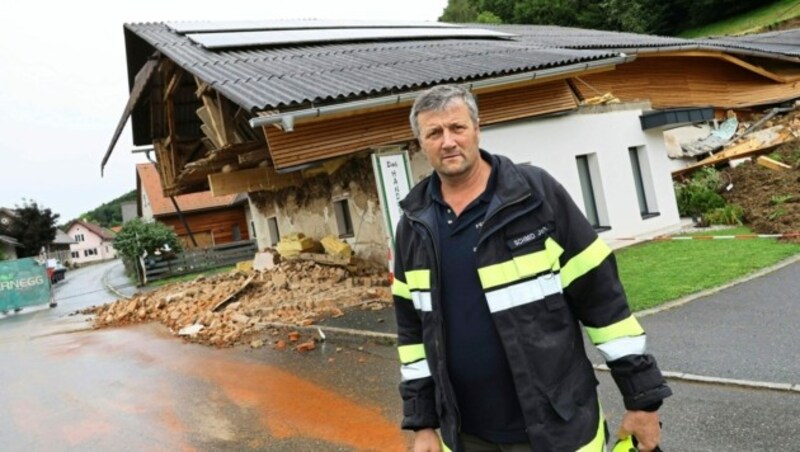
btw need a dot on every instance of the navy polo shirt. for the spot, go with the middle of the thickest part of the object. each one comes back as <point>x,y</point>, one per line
<point>476,360</point>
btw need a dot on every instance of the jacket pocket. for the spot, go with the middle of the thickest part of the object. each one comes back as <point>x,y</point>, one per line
<point>572,391</point>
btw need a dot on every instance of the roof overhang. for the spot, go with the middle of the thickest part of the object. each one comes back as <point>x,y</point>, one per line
<point>287,120</point>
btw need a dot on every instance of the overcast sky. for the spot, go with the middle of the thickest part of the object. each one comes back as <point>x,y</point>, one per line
<point>63,85</point>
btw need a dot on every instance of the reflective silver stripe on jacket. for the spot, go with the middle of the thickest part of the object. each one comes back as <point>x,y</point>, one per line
<point>524,292</point>
<point>415,370</point>
<point>624,346</point>
<point>422,301</point>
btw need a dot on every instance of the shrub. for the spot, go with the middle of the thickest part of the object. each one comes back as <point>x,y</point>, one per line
<point>731,214</point>
<point>699,194</point>
<point>138,237</point>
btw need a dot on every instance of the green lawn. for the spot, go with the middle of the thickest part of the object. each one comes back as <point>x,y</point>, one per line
<point>656,272</point>
<point>748,22</point>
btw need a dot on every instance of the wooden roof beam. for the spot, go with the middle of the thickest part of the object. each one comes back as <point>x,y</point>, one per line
<point>722,56</point>
<point>253,179</point>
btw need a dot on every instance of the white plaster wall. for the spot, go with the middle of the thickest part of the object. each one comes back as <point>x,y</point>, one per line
<point>147,209</point>
<point>553,144</point>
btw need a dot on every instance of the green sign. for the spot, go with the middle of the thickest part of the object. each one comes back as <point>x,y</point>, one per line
<point>23,282</point>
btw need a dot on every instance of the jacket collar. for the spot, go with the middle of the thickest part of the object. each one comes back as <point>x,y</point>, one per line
<point>511,185</point>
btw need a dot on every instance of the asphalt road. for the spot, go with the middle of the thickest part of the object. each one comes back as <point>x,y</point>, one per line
<point>749,331</point>
<point>141,388</point>
<point>67,388</point>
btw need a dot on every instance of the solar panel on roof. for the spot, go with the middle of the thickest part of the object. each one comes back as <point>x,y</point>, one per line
<point>298,24</point>
<point>287,37</point>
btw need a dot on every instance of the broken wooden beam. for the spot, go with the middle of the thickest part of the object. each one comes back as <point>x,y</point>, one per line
<point>249,180</point>
<point>757,143</point>
<point>775,165</point>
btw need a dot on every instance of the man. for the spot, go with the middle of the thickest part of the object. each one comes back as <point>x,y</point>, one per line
<point>494,268</point>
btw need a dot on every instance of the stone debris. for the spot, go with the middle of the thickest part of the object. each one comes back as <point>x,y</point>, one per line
<point>294,244</point>
<point>297,292</point>
<point>336,248</point>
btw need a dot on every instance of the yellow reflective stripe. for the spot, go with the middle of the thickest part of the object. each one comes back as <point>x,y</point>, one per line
<point>531,264</point>
<point>498,274</point>
<point>400,289</point>
<point>598,443</point>
<point>583,262</point>
<point>628,327</point>
<point>411,353</point>
<point>444,446</point>
<point>419,279</point>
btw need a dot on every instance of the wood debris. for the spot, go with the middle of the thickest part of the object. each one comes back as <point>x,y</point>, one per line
<point>760,137</point>
<point>767,162</point>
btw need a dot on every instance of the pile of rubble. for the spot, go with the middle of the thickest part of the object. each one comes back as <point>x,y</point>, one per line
<point>770,198</point>
<point>226,309</point>
<point>762,155</point>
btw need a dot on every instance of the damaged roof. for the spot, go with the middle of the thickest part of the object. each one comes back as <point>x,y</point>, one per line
<point>783,42</point>
<point>285,76</point>
<point>585,39</point>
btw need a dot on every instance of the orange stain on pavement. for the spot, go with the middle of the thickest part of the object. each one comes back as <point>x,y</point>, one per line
<point>294,407</point>
<point>79,432</point>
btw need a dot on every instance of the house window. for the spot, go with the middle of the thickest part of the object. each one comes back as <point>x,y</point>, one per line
<point>643,181</point>
<point>75,254</point>
<point>253,230</point>
<point>593,202</point>
<point>344,222</point>
<point>79,238</point>
<point>90,252</point>
<point>274,234</point>
<point>237,233</point>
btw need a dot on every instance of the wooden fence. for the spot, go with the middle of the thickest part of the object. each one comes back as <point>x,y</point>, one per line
<point>196,260</point>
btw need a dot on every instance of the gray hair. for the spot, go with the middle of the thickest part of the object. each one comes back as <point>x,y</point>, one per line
<point>438,98</point>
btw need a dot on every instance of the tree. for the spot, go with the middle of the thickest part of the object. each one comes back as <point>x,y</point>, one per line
<point>488,17</point>
<point>138,237</point>
<point>459,11</point>
<point>34,228</point>
<point>664,17</point>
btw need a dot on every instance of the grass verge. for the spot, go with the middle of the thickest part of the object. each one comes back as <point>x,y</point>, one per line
<point>190,276</point>
<point>751,21</point>
<point>656,272</point>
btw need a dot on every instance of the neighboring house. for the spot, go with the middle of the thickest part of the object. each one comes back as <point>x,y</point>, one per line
<point>93,243</point>
<point>212,220</point>
<point>294,119</point>
<point>60,247</point>
<point>8,247</point>
<point>129,211</point>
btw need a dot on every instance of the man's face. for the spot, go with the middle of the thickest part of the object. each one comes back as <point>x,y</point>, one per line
<point>449,139</point>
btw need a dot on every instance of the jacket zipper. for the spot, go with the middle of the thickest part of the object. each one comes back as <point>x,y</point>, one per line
<point>485,234</point>
<point>440,348</point>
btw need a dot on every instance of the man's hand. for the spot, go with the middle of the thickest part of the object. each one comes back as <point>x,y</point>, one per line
<point>644,426</point>
<point>426,440</point>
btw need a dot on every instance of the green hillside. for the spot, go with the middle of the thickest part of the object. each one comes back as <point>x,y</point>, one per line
<point>753,21</point>
<point>109,214</point>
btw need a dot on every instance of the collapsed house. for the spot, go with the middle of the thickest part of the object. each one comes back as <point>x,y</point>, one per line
<point>309,118</point>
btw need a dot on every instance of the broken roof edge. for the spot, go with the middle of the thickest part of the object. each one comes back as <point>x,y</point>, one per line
<point>288,118</point>
<point>732,49</point>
